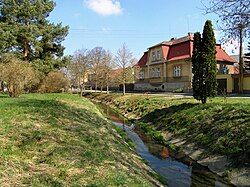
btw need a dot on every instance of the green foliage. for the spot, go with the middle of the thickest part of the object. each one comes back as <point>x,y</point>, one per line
<point>26,31</point>
<point>197,67</point>
<point>247,56</point>
<point>209,59</point>
<point>204,64</point>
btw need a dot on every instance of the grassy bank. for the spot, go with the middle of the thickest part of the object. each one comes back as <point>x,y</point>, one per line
<point>62,140</point>
<point>222,126</point>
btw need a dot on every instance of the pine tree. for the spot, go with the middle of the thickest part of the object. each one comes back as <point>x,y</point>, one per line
<point>204,64</point>
<point>26,31</point>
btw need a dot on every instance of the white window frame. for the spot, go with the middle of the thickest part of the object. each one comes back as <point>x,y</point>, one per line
<point>158,72</point>
<point>159,55</point>
<point>152,72</point>
<point>155,72</point>
<point>153,56</point>
<point>141,74</point>
<point>177,71</point>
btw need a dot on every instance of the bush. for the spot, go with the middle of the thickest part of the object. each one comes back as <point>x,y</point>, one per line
<point>54,82</point>
<point>17,75</point>
<point>179,90</point>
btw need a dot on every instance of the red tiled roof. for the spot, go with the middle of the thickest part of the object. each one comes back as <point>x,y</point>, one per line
<point>165,50</point>
<point>142,62</point>
<point>179,51</point>
<point>182,48</point>
<point>221,55</point>
<point>116,72</point>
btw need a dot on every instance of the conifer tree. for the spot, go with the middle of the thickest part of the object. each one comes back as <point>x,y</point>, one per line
<point>247,61</point>
<point>209,60</point>
<point>204,64</point>
<point>197,64</point>
<point>26,31</point>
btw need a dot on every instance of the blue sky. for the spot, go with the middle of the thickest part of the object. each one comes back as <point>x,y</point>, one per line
<point>138,23</point>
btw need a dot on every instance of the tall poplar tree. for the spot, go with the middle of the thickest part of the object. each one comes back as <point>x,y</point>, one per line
<point>204,64</point>
<point>26,31</point>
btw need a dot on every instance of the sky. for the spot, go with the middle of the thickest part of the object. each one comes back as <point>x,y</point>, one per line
<point>137,23</point>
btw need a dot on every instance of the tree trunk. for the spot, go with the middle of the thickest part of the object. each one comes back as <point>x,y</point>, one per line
<point>124,88</point>
<point>79,87</point>
<point>96,87</point>
<point>101,89</point>
<point>107,89</point>
<point>81,90</point>
<point>241,62</point>
<point>25,49</point>
<point>204,100</point>
<point>2,87</point>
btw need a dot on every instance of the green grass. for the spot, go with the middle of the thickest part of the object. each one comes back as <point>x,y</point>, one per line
<point>222,126</point>
<point>62,140</point>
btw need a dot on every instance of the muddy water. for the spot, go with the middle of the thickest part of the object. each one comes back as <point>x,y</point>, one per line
<point>176,169</point>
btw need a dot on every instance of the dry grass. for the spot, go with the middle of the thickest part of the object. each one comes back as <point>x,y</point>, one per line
<point>62,140</point>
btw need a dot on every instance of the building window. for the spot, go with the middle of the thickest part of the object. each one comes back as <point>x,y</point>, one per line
<point>177,71</point>
<point>155,72</point>
<point>153,56</point>
<point>152,72</point>
<point>141,75</point>
<point>158,55</point>
<point>223,69</point>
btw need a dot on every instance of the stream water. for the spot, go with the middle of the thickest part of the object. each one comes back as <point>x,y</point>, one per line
<point>176,169</point>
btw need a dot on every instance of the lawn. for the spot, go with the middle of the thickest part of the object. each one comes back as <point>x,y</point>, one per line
<point>222,126</point>
<point>63,140</point>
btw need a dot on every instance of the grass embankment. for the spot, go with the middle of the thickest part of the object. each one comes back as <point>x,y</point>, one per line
<point>220,126</point>
<point>62,140</point>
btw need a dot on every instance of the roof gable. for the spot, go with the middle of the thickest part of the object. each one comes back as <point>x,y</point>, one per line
<point>142,62</point>
<point>180,51</point>
<point>222,56</point>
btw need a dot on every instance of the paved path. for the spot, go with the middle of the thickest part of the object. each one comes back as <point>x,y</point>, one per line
<point>170,94</point>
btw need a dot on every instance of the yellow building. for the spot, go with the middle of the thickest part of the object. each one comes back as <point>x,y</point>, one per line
<point>167,66</point>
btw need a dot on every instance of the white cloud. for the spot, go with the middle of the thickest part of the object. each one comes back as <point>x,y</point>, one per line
<point>105,7</point>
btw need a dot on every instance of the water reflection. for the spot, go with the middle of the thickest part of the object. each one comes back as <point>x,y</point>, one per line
<point>179,171</point>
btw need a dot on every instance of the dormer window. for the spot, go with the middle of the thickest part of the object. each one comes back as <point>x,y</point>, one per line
<point>158,55</point>
<point>153,56</point>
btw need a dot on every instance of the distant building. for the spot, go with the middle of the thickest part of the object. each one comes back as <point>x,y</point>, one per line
<point>246,63</point>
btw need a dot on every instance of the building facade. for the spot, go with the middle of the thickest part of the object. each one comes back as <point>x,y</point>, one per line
<point>167,66</point>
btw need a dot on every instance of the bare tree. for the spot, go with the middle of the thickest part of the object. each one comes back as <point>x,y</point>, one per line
<point>79,68</point>
<point>97,56</point>
<point>235,22</point>
<point>123,60</point>
<point>17,74</point>
<point>107,69</point>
